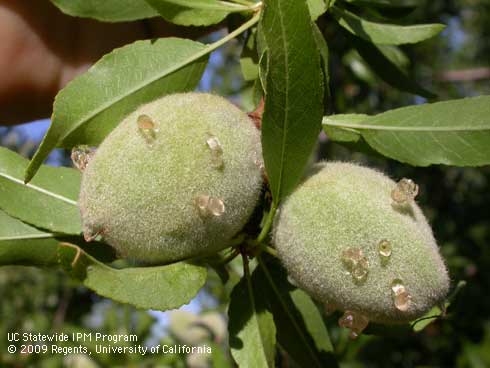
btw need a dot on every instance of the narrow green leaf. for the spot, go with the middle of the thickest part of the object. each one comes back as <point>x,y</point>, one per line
<point>48,202</point>
<point>385,34</point>
<point>387,70</point>
<point>300,328</point>
<point>89,107</point>
<point>437,312</point>
<point>228,6</point>
<point>251,326</point>
<point>160,288</point>
<point>387,9</point>
<point>455,132</point>
<point>249,60</point>
<point>316,8</point>
<point>431,316</point>
<point>322,47</point>
<point>219,357</point>
<point>313,321</point>
<point>107,10</point>
<point>197,12</point>
<point>361,69</point>
<point>332,127</point>
<point>21,244</point>
<point>294,93</point>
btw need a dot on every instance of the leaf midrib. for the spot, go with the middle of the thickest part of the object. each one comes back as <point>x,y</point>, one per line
<point>38,189</point>
<point>407,128</point>
<point>206,49</point>
<point>26,237</point>
<point>288,312</point>
<point>218,5</point>
<point>286,110</point>
<point>255,316</point>
<point>103,107</point>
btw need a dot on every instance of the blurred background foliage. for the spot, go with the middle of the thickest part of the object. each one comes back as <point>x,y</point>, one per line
<point>456,200</point>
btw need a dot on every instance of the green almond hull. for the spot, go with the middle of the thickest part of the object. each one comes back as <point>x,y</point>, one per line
<point>343,206</point>
<point>142,196</point>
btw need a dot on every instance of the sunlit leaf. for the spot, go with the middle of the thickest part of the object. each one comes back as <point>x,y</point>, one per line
<point>196,12</point>
<point>251,326</point>
<point>385,34</point>
<point>455,132</point>
<point>48,202</point>
<point>107,10</point>
<point>160,288</point>
<point>90,106</point>
<point>300,327</point>
<point>294,93</point>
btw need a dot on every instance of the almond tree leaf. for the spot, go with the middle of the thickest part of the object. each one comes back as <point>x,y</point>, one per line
<point>300,327</point>
<point>249,59</point>
<point>385,34</point>
<point>454,132</point>
<point>21,244</point>
<point>107,10</point>
<point>316,8</point>
<point>294,94</point>
<point>90,106</point>
<point>159,288</point>
<point>196,12</point>
<point>48,202</point>
<point>251,326</point>
<point>387,8</point>
<point>387,70</point>
<point>322,46</point>
<point>332,127</point>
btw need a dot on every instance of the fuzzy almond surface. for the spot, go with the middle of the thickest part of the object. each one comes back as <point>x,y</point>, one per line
<point>142,195</point>
<point>344,205</point>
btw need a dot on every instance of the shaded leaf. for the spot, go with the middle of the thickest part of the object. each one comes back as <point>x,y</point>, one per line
<point>322,47</point>
<point>316,8</point>
<point>332,126</point>
<point>293,104</point>
<point>300,328</point>
<point>249,60</point>
<point>385,34</point>
<point>387,8</point>
<point>192,12</point>
<point>438,311</point>
<point>251,326</point>
<point>21,244</point>
<point>90,106</point>
<point>107,10</point>
<point>387,70</point>
<point>48,202</point>
<point>313,321</point>
<point>160,288</point>
<point>455,132</point>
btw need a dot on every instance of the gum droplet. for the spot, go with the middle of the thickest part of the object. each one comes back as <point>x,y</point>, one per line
<point>384,250</point>
<point>356,263</point>
<point>401,297</point>
<point>405,191</point>
<point>354,321</point>
<point>207,205</point>
<point>81,156</point>
<point>147,128</point>
<point>216,152</point>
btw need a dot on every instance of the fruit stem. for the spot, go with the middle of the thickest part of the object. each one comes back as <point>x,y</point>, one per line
<point>270,250</point>
<point>267,226</point>
<point>231,257</point>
